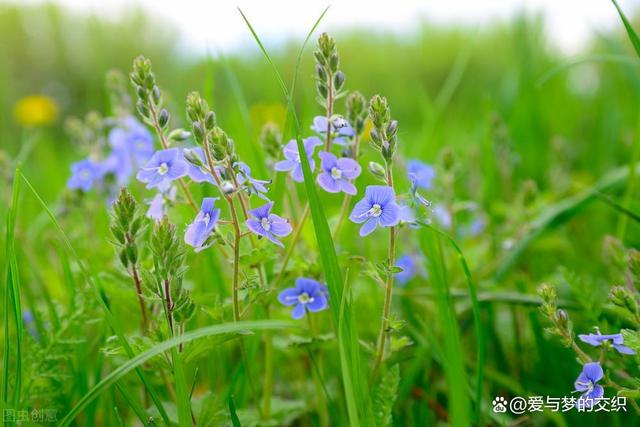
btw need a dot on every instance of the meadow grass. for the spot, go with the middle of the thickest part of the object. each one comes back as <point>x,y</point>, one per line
<point>542,147</point>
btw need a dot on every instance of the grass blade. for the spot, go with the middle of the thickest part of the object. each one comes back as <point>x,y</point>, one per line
<point>477,320</point>
<point>349,363</point>
<point>559,213</point>
<point>635,41</point>
<point>459,404</point>
<point>235,421</point>
<point>164,346</point>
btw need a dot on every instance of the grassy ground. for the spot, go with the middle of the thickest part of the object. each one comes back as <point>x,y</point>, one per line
<point>533,144</point>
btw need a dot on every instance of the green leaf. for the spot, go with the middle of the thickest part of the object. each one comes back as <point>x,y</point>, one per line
<point>631,339</point>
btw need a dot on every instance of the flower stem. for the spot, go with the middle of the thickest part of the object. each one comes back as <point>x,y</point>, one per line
<point>347,198</point>
<point>136,280</point>
<point>292,245</point>
<point>386,308</point>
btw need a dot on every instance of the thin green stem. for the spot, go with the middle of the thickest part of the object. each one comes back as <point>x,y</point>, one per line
<point>292,245</point>
<point>386,308</point>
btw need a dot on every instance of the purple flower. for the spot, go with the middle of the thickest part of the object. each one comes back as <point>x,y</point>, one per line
<point>306,295</point>
<point>132,138</point>
<point>159,205</point>
<point>586,383</point>
<point>420,174</point>
<point>378,207</point>
<point>268,225</point>
<point>442,216</point>
<point>250,184</point>
<point>408,265</point>
<point>84,175</point>
<point>197,173</point>
<point>597,339</point>
<point>292,162</point>
<point>202,226</point>
<point>341,130</point>
<point>337,173</point>
<point>408,216</point>
<point>164,167</point>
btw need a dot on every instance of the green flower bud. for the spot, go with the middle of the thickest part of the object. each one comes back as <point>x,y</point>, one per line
<point>377,170</point>
<point>210,120</point>
<point>163,118</point>
<point>338,80</point>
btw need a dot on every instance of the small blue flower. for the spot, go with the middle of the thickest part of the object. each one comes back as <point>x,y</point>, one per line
<point>292,163</point>
<point>249,184</point>
<point>408,265</point>
<point>597,339</point>
<point>84,175</point>
<point>164,167</point>
<point>337,173</point>
<point>133,139</point>
<point>442,216</point>
<point>420,174</point>
<point>408,216</point>
<point>159,205</point>
<point>306,295</point>
<point>203,225</point>
<point>377,208</point>
<point>587,384</point>
<point>266,224</point>
<point>341,130</point>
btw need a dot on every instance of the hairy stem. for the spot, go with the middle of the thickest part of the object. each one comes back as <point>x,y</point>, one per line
<point>386,308</point>
<point>138,283</point>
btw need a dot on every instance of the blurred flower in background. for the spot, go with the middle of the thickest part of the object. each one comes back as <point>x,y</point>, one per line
<point>35,110</point>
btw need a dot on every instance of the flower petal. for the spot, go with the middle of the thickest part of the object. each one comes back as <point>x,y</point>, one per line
<point>380,194</point>
<point>288,296</point>
<point>262,211</point>
<point>390,215</point>
<point>298,312</point>
<point>328,184</point>
<point>368,227</point>
<point>358,214</point>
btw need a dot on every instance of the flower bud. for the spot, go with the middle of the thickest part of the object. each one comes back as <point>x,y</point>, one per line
<point>210,120</point>
<point>377,170</point>
<point>227,187</point>
<point>198,132</point>
<point>179,135</point>
<point>338,80</point>
<point>191,157</point>
<point>157,95</point>
<point>321,73</point>
<point>163,118</point>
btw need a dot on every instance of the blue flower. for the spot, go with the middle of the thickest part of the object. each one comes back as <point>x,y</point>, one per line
<point>408,265</point>
<point>164,167</point>
<point>597,339</point>
<point>132,138</point>
<point>292,156</point>
<point>249,184</point>
<point>306,295</point>
<point>197,173</point>
<point>442,216</point>
<point>337,173</point>
<point>408,216</point>
<point>378,207</point>
<point>266,224</point>
<point>84,175</point>
<point>341,130</point>
<point>203,225</point>
<point>587,384</point>
<point>159,205</point>
<point>420,174</point>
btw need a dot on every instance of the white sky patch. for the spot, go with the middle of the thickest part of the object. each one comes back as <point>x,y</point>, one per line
<point>217,25</point>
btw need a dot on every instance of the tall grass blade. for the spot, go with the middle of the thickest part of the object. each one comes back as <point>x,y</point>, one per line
<point>477,320</point>
<point>458,394</point>
<point>635,41</point>
<point>164,346</point>
<point>351,371</point>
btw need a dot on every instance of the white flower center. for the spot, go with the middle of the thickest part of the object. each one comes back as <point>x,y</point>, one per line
<point>336,173</point>
<point>207,218</point>
<point>305,298</point>
<point>265,223</point>
<point>375,210</point>
<point>163,169</point>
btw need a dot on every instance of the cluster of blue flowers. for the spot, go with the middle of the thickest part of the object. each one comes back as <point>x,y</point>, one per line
<point>592,373</point>
<point>130,145</point>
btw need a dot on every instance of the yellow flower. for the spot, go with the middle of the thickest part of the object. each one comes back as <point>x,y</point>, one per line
<point>262,113</point>
<point>35,110</point>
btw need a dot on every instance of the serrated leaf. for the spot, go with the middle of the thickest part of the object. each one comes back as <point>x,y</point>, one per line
<point>385,396</point>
